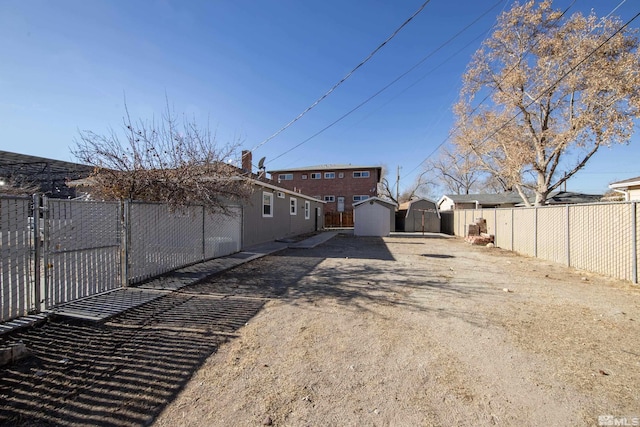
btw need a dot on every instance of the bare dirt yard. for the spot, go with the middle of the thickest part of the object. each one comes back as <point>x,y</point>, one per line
<point>421,331</point>
<point>400,331</point>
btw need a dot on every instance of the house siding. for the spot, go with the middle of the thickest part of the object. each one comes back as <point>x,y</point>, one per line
<point>257,229</point>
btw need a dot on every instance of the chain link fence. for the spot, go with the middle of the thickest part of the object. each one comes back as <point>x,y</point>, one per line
<point>599,237</point>
<point>56,251</point>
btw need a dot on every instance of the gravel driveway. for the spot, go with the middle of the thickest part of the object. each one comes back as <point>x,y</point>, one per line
<point>400,331</point>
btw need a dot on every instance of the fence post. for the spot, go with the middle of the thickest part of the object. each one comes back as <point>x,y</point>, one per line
<point>44,208</point>
<point>512,231</point>
<point>535,232</point>
<point>568,239</point>
<point>634,242</point>
<point>37,282</point>
<point>204,235</point>
<point>125,221</point>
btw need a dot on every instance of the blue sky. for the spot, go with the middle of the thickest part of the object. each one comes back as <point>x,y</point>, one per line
<point>248,67</point>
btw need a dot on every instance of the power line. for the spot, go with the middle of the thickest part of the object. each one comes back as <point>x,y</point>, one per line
<point>282,129</point>
<point>547,89</point>
<point>441,46</point>
<point>564,12</point>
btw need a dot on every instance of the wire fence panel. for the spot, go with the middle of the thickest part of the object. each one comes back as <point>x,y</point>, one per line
<point>162,239</point>
<point>551,234</point>
<point>524,242</point>
<point>504,229</point>
<point>223,233</point>
<point>82,249</point>
<point>601,239</point>
<point>17,286</point>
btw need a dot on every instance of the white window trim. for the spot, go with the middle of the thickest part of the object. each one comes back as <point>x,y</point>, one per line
<point>316,175</point>
<point>285,177</point>
<point>307,209</point>
<point>270,197</point>
<point>361,174</point>
<point>293,206</point>
<point>360,198</point>
<point>329,199</point>
<point>280,195</point>
<point>329,175</point>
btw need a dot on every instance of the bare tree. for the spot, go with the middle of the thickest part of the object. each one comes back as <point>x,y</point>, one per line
<point>457,169</point>
<point>556,90</point>
<point>171,161</point>
<point>418,188</point>
<point>18,185</point>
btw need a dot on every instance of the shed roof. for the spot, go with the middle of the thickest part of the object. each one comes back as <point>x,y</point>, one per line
<point>389,203</point>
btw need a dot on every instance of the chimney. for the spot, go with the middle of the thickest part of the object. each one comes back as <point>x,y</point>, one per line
<point>246,161</point>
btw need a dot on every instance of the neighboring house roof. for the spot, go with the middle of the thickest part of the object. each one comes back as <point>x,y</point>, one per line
<point>623,185</point>
<point>323,168</point>
<point>568,197</point>
<point>377,200</point>
<point>484,199</point>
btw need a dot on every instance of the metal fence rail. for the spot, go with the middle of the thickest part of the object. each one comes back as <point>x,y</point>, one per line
<point>18,293</point>
<point>600,237</point>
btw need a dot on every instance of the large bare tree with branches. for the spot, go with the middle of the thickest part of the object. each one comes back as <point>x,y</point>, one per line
<point>167,160</point>
<point>554,90</point>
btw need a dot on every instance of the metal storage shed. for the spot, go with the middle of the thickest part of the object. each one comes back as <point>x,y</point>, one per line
<point>373,217</point>
<point>418,215</point>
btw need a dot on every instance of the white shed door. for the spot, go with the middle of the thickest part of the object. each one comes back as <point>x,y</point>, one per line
<point>372,219</point>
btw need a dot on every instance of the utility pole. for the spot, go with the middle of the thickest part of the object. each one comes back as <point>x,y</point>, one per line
<point>398,186</point>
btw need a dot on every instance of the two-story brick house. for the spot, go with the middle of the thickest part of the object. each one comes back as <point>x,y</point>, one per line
<point>338,185</point>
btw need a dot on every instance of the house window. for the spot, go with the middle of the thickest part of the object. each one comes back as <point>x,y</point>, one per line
<point>361,174</point>
<point>329,175</point>
<point>329,198</point>
<point>341,175</point>
<point>280,195</point>
<point>307,209</point>
<point>285,177</point>
<point>267,204</point>
<point>359,198</point>
<point>304,176</point>
<point>293,206</point>
<point>316,175</point>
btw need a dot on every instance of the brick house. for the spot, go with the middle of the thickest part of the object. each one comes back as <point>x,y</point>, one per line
<point>338,185</point>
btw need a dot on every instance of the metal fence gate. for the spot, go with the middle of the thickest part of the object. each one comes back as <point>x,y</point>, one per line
<point>81,249</point>
<point>18,293</point>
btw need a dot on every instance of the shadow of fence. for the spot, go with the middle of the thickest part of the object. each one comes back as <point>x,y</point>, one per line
<point>124,372</point>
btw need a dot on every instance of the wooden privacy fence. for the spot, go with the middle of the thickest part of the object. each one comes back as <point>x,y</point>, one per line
<point>55,251</point>
<point>338,219</point>
<point>599,237</point>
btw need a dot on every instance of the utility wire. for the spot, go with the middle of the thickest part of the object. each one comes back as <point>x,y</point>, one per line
<point>550,87</point>
<point>564,12</point>
<point>345,77</point>
<point>391,83</point>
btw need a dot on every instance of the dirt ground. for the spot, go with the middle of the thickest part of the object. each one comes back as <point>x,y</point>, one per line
<point>400,331</point>
<point>425,331</point>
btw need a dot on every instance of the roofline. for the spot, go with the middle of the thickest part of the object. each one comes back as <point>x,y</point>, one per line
<point>371,199</point>
<point>323,167</point>
<point>623,185</point>
<point>284,190</point>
